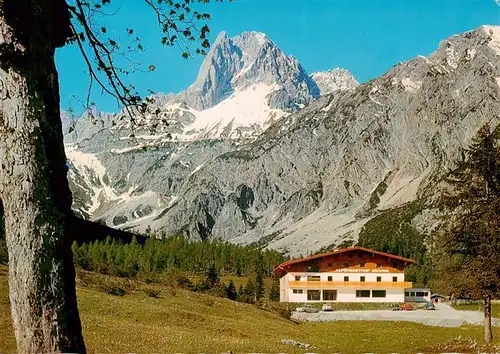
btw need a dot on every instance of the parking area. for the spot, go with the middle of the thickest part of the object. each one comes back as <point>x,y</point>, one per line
<point>443,316</point>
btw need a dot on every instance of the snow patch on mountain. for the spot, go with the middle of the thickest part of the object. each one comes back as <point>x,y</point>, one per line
<point>232,117</point>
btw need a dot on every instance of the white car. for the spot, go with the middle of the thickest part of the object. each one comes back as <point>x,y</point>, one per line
<point>326,307</point>
<point>308,309</point>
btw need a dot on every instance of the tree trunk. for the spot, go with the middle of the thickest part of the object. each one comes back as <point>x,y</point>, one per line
<point>34,190</point>
<point>488,336</point>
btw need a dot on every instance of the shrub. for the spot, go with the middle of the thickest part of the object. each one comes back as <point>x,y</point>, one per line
<point>284,310</point>
<point>155,293</point>
<point>114,290</point>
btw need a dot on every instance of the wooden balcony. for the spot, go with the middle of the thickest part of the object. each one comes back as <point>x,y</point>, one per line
<point>349,284</point>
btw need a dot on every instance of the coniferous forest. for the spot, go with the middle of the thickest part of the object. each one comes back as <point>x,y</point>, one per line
<point>195,266</point>
<point>174,253</point>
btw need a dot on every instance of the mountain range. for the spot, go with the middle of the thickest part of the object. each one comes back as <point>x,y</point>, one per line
<point>257,151</point>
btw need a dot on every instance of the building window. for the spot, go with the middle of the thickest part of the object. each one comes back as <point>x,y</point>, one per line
<point>330,265</point>
<point>407,293</point>
<point>378,293</point>
<point>329,295</point>
<point>346,278</point>
<point>362,279</point>
<point>330,278</point>
<point>420,293</point>
<point>313,295</point>
<point>426,293</point>
<point>313,278</point>
<point>362,293</point>
<point>379,279</point>
<point>297,278</point>
<point>412,294</point>
<point>394,279</point>
<point>379,265</point>
<point>362,264</point>
<point>346,265</point>
<point>298,291</point>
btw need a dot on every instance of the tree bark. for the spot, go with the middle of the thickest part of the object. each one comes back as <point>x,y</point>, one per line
<point>488,336</point>
<point>34,190</point>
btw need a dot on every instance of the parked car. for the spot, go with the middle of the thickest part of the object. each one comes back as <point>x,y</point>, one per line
<point>407,307</point>
<point>430,306</point>
<point>308,309</point>
<point>326,307</point>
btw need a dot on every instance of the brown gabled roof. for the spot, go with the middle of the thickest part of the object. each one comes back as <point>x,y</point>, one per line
<point>283,266</point>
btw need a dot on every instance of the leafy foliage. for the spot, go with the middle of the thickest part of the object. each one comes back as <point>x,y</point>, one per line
<point>110,53</point>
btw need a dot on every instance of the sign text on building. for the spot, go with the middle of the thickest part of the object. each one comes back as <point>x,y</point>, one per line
<point>362,270</point>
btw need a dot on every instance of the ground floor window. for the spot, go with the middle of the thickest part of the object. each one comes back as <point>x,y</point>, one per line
<point>329,295</point>
<point>313,295</point>
<point>298,291</point>
<point>362,293</point>
<point>407,293</point>
<point>378,293</point>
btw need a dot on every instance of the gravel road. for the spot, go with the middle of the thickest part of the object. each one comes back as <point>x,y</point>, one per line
<point>443,316</point>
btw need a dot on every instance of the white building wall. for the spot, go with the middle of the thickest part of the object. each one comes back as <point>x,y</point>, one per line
<point>283,289</point>
<point>297,297</point>
<point>353,277</point>
<point>344,293</point>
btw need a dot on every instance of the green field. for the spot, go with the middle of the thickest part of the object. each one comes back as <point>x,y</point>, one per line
<point>183,321</point>
<point>495,308</point>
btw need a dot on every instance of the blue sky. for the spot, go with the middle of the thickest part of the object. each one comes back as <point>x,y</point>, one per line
<point>366,37</point>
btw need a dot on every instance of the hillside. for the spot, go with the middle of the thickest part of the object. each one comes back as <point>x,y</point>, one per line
<point>181,321</point>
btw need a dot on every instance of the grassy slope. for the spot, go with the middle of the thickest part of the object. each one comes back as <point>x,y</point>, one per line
<point>191,322</point>
<point>495,308</point>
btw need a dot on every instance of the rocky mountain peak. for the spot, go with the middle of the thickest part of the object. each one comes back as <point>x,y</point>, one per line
<point>235,63</point>
<point>333,80</point>
<point>129,176</point>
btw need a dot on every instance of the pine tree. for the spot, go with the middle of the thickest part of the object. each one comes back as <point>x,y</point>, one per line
<point>259,278</point>
<point>249,292</point>
<point>274,294</point>
<point>241,294</point>
<point>231,291</point>
<point>467,245</point>
<point>212,277</point>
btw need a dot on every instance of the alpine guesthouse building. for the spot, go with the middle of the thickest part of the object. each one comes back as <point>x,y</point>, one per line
<point>353,274</point>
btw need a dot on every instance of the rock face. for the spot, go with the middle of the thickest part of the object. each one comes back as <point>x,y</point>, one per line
<point>312,178</point>
<point>334,80</point>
